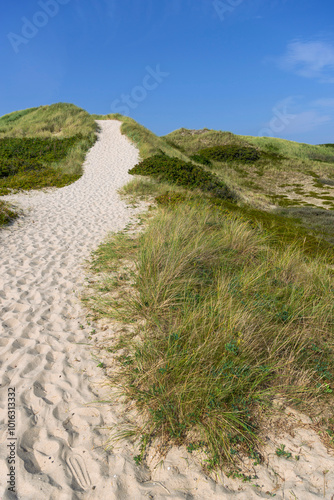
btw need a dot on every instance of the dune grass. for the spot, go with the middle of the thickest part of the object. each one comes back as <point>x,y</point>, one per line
<point>226,306</point>
<point>7,213</point>
<point>191,141</point>
<point>292,149</point>
<point>181,173</point>
<point>227,321</point>
<point>60,120</point>
<point>51,126</point>
<point>296,178</point>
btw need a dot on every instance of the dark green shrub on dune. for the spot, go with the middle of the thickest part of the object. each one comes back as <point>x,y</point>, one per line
<point>28,163</point>
<point>182,173</point>
<point>26,154</point>
<point>230,152</point>
<point>201,159</point>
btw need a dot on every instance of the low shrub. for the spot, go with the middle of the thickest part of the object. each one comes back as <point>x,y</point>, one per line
<point>182,173</point>
<point>34,163</point>
<point>230,152</point>
<point>36,179</point>
<point>201,159</point>
<point>26,154</point>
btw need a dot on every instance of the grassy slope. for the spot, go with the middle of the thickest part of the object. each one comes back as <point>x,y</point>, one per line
<point>193,140</point>
<point>231,304</point>
<point>56,121</point>
<point>267,190</point>
<point>224,323</point>
<point>298,185</point>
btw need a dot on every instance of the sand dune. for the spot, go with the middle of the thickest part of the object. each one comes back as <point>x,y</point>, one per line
<point>59,447</point>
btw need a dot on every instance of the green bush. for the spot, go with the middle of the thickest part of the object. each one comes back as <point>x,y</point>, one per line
<point>201,159</point>
<point>36,179</point>
<point>26,154</point>
<point>12,166</point>
<point>230,152</point>
<point>182,173</point>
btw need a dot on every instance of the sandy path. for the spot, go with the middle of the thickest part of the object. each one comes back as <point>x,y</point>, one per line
<point>58,449</point>
<point>40,269</point>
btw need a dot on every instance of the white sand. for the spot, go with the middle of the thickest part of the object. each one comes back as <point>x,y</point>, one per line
<point>59,453</point>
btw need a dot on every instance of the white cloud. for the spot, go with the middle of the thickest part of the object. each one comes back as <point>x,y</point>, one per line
<point>310,60</point>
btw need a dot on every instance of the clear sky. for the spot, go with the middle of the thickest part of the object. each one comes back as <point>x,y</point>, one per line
<point>253,67</point>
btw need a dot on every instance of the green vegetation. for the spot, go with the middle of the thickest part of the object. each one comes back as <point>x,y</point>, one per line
<point>290,149</point>
<point>60,120</point>
<point>44,147</point>
<point>273,177</point>
<point>281,452</point>
<point>226,322</point>
<point>198,158</point>
<point>182,173</point>
<point>32,154</point>
<point>226,304</point>
<point>191,141</point>
<point>230,152</point>
<point>7,213</point>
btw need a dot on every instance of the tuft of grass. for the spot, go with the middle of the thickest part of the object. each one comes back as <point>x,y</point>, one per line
<point>7,213</point>
<point>226,322</point>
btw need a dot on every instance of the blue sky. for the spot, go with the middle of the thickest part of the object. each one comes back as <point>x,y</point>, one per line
<point>253,67</point>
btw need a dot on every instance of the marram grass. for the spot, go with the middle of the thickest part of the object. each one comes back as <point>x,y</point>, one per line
<point>227,322</point>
